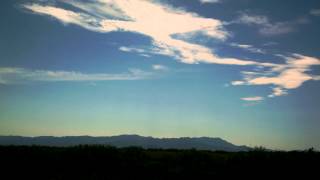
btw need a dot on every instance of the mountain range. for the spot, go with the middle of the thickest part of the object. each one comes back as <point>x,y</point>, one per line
<point>200,143</point>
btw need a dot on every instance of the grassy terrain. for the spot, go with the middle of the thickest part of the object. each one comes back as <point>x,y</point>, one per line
<point>104,162</point>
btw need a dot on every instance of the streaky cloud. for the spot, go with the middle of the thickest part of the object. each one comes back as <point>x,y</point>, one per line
<point>315,12</point>
<point>252,98</point>
<point>159,67</point>
<point>131,49</point>
<point>209,1</point>
<point>13,75</point>
<point>248,47</point>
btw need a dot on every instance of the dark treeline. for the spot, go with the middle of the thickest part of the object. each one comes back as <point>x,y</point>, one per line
<point>104,162</point>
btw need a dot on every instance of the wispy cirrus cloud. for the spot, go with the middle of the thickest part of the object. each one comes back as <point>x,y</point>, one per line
<point>268,28</point>
<point>209,1</point>
<point>159,67</point>
<point>248,47</point>
<point>142,52</point>
<point>252,98</point>
<point>252,19</point>
<point>315,12</point>
<point>12,75</point>
<point>131,49</point>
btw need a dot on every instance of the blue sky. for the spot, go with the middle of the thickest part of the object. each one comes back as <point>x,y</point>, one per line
<point>246,70</point>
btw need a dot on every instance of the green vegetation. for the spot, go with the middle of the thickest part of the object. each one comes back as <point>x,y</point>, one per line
<point>105,162</point>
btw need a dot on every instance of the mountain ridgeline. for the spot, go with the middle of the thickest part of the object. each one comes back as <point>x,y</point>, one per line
<point>200,143</point>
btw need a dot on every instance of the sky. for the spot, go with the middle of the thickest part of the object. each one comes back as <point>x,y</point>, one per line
<point>246,71</point>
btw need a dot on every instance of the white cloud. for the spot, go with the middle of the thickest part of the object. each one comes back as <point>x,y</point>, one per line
<point>244,46</point>
<point>131,49</point>
<point>253,98</point>
<point>278,91</point>
<point>289,79</point>
<point>286,76</point>
<point>142,52</point>
<point>291,75</point>
<point>134,16</point>
<point>159,67</point>
<point>250,73</point>
<point>209,1</point>
<point>145,55</point>
<point>248,47</point>
<point>315,12</point>
<point>9,75</point>
<point>237,83</point>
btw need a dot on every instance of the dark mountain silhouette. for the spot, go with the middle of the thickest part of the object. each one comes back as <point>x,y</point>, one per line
<point>200,143</point>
